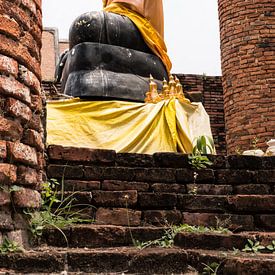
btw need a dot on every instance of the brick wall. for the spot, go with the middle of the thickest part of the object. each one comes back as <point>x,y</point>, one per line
<point>21,106</point>
<point>49,53</point>
<point>210,88</point>
<point>248,48</point>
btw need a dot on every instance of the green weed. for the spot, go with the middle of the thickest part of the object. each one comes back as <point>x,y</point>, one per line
<point>254,247</point>
<point>198,159</point>
<point>271,247</point>
<point>9,246</point>
<point>211,269</point>
<point>57,211</point>
<point>167,240</point>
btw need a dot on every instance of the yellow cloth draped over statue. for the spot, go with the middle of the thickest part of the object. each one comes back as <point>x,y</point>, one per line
<point>168,126</point>
<point>147,15</point>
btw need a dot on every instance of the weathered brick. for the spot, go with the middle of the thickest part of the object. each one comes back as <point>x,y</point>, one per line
<point>185,175</point>
<point>173,160</point>
<point>252,189</point>
<point>10,130</point>
<point>162,217</point>
<point>36,123</point>
<point>30,5</point>
<point>30,79</point>
<point>6,222</point>
<point>265,176</point>
<point>252,203</point>
<point>115,185</point>
<point>266,221</point>
<point>157,200</point>
<point>118,216</point>
<point>26,198</point>
<point>19,52</point>
<point>209,189</point>
<point>11,87</point>
<point>18,109</point>
<point>20,237</point>
<point>4,197</point>
<point>9,26</point>
<point>22,16</point>
<point>27,176</point>
<point>97,236</point>
<point>3,149</point>
<point>41,160</point>
<point>65,171</point>
<point>7,173</point>
<point>227,176</point>
<point>22,153</point>
<point>36,103</point>
<point>205,176</point>
<point>205,203</point>
<point>109,173</point>
<point>78,185</point>
<point>114,198</point>
<point>210,241</point>
<point>134,160</point>
<point>168,188</point>
<point>8,65</point>
<point>26,39</point>
<point>219,161</point>
<point>268,162</point>
<point>244,162</point>
<point>81,154</point>
<point>154,175</point>
<point>230,221</point>
<point>34,139</point>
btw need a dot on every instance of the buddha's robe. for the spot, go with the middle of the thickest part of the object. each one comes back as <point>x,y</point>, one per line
<point>152,10</point>
<point>147,15</point>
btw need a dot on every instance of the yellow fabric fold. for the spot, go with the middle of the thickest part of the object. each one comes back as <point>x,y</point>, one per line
<point>151,37</point>
<point>168,126</point>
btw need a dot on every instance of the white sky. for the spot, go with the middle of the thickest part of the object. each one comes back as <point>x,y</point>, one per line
<point>191,30</point>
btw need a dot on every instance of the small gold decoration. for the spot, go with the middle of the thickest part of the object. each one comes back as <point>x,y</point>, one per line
<point>170,90</point>
<point>152,96</point>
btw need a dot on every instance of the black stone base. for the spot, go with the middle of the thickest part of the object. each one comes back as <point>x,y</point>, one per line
<point>106,85</point>
<point>94,56</point>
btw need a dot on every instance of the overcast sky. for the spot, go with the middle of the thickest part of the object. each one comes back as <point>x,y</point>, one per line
<point>191,30</point>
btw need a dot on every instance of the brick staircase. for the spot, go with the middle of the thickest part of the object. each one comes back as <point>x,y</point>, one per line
<point>140,197</point>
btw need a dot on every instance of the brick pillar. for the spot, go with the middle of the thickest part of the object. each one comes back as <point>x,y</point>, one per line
<point>21,130</point>
<point>248,49</point>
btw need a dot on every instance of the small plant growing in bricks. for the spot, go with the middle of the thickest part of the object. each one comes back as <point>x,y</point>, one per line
<point>271,247</point>
<point>211,269</point>
<point>198,158</point>
<point>57,211</point>
<point>9,246</point>
<point>254,143</point>
<point>167,240</point>
<point>254,247</point>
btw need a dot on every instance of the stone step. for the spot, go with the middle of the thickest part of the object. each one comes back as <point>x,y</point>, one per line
<point>142,201</point>
<point>134,261</point>
<point>67,155</point>
<point>179,188</point>
<point>114,236</point>
<point>81,171</point>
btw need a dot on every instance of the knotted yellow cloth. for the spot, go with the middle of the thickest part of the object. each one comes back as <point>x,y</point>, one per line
<point>152,37</point>
<point>168,126</point>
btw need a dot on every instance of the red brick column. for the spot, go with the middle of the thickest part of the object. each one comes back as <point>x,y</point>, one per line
<point>248,49</point>
<point>21,128</point>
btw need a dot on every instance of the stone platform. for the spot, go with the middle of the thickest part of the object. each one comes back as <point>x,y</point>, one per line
<point>139,197</point>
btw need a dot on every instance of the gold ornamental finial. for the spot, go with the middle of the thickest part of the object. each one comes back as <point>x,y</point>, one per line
<point>170,90</point>
<point>152,96</point>
<point>172,86</point>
